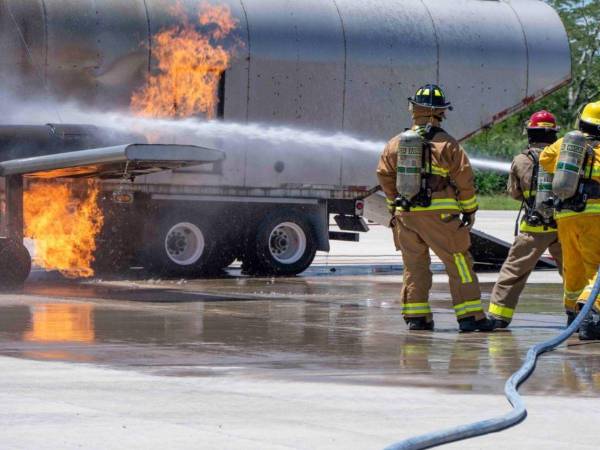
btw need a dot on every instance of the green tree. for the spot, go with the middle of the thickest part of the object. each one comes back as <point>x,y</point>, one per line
<point>582,22</point>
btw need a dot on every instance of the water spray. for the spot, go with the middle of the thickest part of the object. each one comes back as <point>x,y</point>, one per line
<point>207,132</point>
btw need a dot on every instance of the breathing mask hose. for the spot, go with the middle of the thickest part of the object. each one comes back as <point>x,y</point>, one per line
<point>519,411</point>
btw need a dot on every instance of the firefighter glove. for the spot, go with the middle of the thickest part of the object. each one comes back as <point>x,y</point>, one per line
<point>468,220</point>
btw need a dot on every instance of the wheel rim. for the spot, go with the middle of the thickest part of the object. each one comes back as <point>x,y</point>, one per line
<point>184,244</point>
<point>287,243</point>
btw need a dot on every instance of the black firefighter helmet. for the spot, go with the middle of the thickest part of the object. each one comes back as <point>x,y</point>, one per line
<point>430,96</point>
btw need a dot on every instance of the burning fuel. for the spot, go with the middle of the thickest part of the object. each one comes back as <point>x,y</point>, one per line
<point>191,58</point>
<point>64,225</point>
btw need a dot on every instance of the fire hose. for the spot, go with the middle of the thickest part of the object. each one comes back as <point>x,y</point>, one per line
<point>511,387</point>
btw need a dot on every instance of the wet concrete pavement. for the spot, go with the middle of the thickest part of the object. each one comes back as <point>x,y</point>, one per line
<point>319,361</point>
<point>312,362</point>
<point>334,329</point>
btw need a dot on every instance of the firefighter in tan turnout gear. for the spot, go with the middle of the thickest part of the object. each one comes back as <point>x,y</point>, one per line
<point>537,229</point>
<point>429,183</point>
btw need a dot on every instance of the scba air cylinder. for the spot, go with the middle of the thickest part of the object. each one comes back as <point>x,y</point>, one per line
<point>543,196</point>
<point>570,165</point>
<point>410,164</point>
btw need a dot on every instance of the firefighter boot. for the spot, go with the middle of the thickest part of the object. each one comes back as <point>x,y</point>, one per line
<point>419,324</point>
<point>499,323</point>
<point>571,316</point>
<point>590,327</point>
<point>469,324</point>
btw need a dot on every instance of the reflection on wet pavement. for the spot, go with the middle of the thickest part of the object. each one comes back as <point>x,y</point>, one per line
<point>343,330</point>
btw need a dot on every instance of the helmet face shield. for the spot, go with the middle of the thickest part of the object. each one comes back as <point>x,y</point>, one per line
<point>589,128</point>
<point>541,135</point>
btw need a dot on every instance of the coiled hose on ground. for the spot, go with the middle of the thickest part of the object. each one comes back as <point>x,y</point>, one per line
<point>519,411</point>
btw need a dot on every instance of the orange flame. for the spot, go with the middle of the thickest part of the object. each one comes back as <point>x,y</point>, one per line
<point>64,227</point>
<point>191,62</point>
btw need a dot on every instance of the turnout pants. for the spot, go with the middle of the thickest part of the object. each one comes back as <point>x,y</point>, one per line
<point>523,256</point>
<point>580,240</point>
<point>415,234</point>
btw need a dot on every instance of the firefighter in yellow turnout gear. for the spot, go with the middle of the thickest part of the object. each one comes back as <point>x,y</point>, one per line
<point>575,162</point>
<point>429,183</point>
<point>537,229</point>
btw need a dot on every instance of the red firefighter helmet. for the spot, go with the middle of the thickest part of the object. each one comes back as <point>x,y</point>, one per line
<point>542,119</point>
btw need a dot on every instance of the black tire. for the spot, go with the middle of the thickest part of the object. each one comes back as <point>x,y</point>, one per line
<point>15,264</point>
<point>283,244</point>
<point>225,257</point>
<point>183,244</point>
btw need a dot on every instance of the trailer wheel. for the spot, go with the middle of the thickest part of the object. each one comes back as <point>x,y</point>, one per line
<point>182,245</point>
<point>15,264</point>
<point>284,244</point>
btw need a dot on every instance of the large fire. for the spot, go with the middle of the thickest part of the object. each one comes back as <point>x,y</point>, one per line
<point>191,59</point>
<point>64,225</point>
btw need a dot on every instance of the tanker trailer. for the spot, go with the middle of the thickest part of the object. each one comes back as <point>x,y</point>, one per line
<point>334,66</point>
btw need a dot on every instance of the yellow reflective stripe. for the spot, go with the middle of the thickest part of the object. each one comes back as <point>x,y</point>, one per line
<point>390,202</point>
<point>463,268</point>
<point>526,228</point>
<point>502,311</point>
<point>572,295</point>
<point>438,170</point>
<point>526,194</point>
<point>414,349</point>
<point>416,308</point>
<point>437,93</point>
<point>469,203</point>
<point>439,203</point>
<point>591,208</point>
<point>469,306</point>
<point>425,92</point>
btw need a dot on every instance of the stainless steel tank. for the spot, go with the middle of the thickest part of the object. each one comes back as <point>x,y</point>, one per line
<point>330,64</point>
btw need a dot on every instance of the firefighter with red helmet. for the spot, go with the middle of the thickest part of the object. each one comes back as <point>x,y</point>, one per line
<point>529,183</point>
